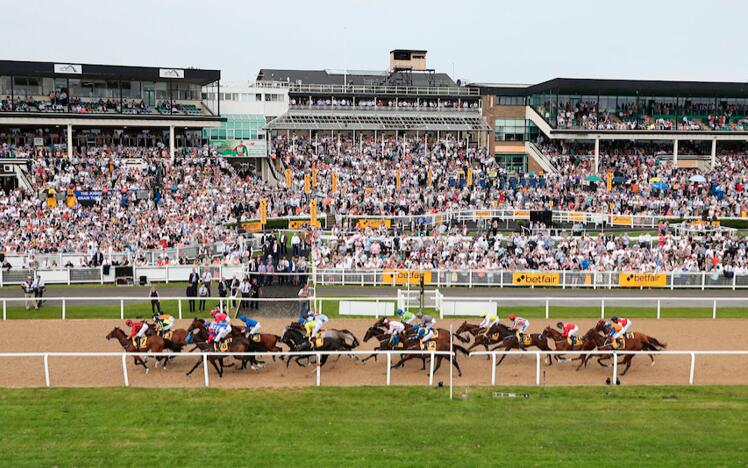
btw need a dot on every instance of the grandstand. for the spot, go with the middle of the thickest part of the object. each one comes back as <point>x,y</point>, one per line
<point>708,115</point>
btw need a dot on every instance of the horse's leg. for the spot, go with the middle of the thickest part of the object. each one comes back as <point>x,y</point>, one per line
<point>197,364</point>
<point>219,370</point>
<point>508,347</point>
<point>457,366</point>
<point>627,360</point>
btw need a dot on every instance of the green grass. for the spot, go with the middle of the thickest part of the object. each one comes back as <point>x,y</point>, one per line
<point>375,426</point>
<point>103,310</point>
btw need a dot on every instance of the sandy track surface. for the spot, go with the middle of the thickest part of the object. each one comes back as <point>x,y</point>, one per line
<point>89,336</point>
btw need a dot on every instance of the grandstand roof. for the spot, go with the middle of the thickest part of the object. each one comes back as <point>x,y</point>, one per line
<point>641,87</point>
<point>112,72</point>
<point>325,77</point>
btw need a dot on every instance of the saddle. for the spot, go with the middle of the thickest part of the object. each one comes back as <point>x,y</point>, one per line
<point>429,346</point>
<point>629,335</point>
<point>573,341</point>
<point>524,340</point>
<point>255,338</point>
<point>140,342</point>
<point>167,335</point>
<point>319,340</point>
<point>495,336</point>
<point>222,346</point>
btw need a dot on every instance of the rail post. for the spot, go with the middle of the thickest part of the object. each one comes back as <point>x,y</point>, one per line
<point>602,309</point>
<point>451,360</point>
<point>693,369</point>
<point>389,367</point>
<point>431,369</point>
<point>714,310</point>
<point>124,369</point>
<point>493,368</point>
<point>537,368</point>
<point>5,309</point>
<point>179,308</point>
<point>205,369</point>
<point>46,369</point>
<point>121,309</point>
<point>546,308</point>
<point>658,309</point>
<point>63,309</point>
<point>615,367</point>
<point>319,368</point>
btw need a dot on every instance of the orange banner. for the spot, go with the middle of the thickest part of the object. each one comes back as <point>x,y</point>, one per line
<point>622,220</point>
<point>522,278</point>
<point>406,276</point>
<point>252,226</point>
<point>373,223</point>
<point>307,184</point>
<point>299,223</point>
<point>288,178</point>
<point>647,280</point>
<point>263,211</point>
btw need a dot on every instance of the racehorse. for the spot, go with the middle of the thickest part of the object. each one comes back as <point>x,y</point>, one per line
<point>630,344</point>
<point>441,343</point>
<point>154,344</point>
<point>332,340</point>
<point>651,340</point>
<point>538,340</point>
<point>199,333</point>
<point>496,334</point>
<point>177,337</point>
<point>562,344</point>
<point>260,343</point>
<point>386,345</point>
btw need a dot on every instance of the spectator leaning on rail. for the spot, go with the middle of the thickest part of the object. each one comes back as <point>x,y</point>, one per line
<point>28,292</point>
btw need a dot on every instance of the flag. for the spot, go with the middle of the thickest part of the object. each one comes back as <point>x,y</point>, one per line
<point>307,187</point>
<point>288,178</point>
<point>263,211</point>
<point>313,212</point>
<point>335,181</point>
<point>397,179</point>
<point>470,176</point>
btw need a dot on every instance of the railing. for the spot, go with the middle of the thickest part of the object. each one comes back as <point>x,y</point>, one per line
<point>204,357</point>
<point>406,299</point>
<point>612,353</point>
<point>359,107</point>
<point>547,279</point>
<point>378,90</point>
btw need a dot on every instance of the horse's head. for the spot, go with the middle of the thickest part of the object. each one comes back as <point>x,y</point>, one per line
<point>600,325</point>
<point>379,323</point>
<point>197,324</point>
<point>464,327</point>
<point>372,332</point>
<point>115,333</point>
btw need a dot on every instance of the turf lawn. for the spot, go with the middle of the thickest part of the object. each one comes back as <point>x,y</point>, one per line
<point>375,426</point>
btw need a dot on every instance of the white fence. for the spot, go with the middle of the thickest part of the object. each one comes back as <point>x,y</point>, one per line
<point>204,356</point>
<point>613,353</point>
<point>607,304</point>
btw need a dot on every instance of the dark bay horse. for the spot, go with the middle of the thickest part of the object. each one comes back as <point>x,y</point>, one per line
<point>539,340</point>
<point>630,344</point>
<point>154,344</point>
<point>442,343</point>
<point>238,344</point>
<point>380,334</point>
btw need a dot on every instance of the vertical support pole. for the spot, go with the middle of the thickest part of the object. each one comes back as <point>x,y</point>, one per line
<point>179,308</point>
<point>547,307</point>
<point>675,152</point>
<point>70,141</point>
<point>602,309</point>
<point>537,367</point>
<point>597,154</point>
<point>714,309</point>
<point>124,370</point>
<point>319,368</point>
<point>493,368</point>
<point>693,369</point>
<point>714,153</point>
<point>171,141</point>
<point>451,360</point>
<point>46,369</point>
<point>121,309</point>
<point>658,309</point>
<point>5,309</point>
<point>205,370</point>
<point>615,367</point>
<point>703,281</point>
<point>63,309</point>
<point>389,367</point>
<point>431,370</point>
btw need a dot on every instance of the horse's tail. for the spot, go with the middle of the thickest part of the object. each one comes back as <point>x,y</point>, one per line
<point>653,341</point>
<point>460,349</point>
<point>354,340</point>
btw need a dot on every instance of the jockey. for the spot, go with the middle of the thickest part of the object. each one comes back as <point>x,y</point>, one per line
<point>252,327</point>
<point>489,320</point>
<point>394,327</point>
<point>425,333</point>
<point>165,322</point>
<point>310,325</point>
<point>221,327</point>
<point>613,330</point>
<point>519,324</point>
<point>427,320</point>
<point>624,322</point>
<point>319,321</point>
<point>570,331</point>
<point>405,317</point>
<point>138,329</point>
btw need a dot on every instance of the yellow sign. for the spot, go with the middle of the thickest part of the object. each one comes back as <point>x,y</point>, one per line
<point>299,223</point>
<point>307,184</point>
<point>609,181</point>
<point>406,277</point>
<point>314,177</point>
<point>335,181</point>
<point>288,178</point>
<point>373,223</point>
<point>622,220</point>
<point>397,179</point>
<point>470,177</point>
<point>482,214</point>
<point>252,226</point>
<point>313,212</point>
<point>576,217</point>
<point>263,211</point>
<point>522,214</point>
<point>522,278</point>
<point>647,280</point>
<point>431,178</point>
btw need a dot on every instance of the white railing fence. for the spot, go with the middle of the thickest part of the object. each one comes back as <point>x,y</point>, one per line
<point>615,354</point>
<point>608,305</point>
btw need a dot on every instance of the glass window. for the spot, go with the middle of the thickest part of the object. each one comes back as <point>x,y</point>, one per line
<point>510,129</point>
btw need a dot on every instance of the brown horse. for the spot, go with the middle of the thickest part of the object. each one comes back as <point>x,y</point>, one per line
<point>539,340</point>
<point>174,340</point>
<point>442,341</point>
<point>630,344</point>
<point>385,344</point>
<point>651,340</point>
<point>154,344</point>
<point>238,344</point>
<point>495,335</point>
<point>562,344</point>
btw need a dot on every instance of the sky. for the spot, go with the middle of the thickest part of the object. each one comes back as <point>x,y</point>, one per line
<point>520,41</point>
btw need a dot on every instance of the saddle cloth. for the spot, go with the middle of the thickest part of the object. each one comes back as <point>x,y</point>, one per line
<point>140,342</point>
<point>429,345</point>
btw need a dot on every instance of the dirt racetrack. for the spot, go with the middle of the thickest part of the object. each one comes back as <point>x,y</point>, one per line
<point>88,336</point>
